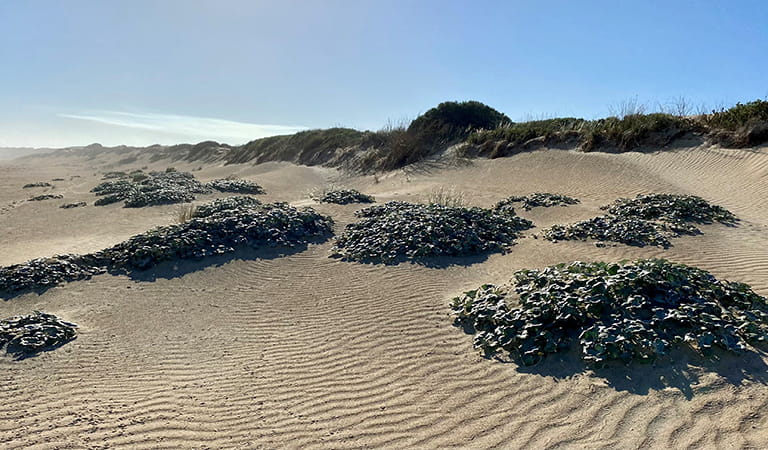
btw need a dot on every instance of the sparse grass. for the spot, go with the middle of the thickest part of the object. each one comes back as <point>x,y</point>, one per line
<point>444,196</point>
<point>635,130</point>
<point>185,213</point>
<point>626,133</point>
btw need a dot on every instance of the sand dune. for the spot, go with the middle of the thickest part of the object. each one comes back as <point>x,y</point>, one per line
<point>304,351</point>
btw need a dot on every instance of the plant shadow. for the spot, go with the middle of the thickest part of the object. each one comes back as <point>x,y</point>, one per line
<point>681,370</point>
<point>180,267</point>
<point>19,354</point>
<point>175,269</point>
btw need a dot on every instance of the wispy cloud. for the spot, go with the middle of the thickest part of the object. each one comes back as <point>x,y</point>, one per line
<point>193,127</point>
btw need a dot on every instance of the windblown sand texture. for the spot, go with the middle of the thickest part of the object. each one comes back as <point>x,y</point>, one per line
<point>305,351</point>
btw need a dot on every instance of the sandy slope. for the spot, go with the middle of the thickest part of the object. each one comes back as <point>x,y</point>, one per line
<point>303,351</point>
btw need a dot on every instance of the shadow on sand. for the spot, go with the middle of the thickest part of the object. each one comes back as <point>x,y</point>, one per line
<point>681,370</point>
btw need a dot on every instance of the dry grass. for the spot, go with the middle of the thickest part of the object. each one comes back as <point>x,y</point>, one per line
<point>447,197</point>
<point>185,213</point>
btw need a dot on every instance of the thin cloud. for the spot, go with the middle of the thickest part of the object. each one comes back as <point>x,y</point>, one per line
<point>194,127</point>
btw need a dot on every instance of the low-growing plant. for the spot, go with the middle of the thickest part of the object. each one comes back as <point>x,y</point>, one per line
<point>627,312</point>
<point>157,188</point>
<point>236,185</point>
<point>39,198</point>
<point>37,184</point>
<point>537,199</point>
<point>217,228</point>
<point>39,331</point>
<point>398,231</point>
<point>341,196</point>
<point>645,220</point>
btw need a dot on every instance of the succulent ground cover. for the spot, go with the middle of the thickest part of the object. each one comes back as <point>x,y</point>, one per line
<point>236,186</point>
<point>626,311</point>
<point>73,205</point>
<point>43,197</point>
<point>395,231</point>
<point>537,199</point>
<point>343,197</point>
<point>46,272</point>
<point>645,220</point>
<point>216,232</point>
<point>37,184</point>
<point>155,188</point>
<point>24,335</point>
<point>219,227</point>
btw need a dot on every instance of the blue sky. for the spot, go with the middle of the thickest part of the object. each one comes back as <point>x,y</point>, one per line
<point>167,71</point>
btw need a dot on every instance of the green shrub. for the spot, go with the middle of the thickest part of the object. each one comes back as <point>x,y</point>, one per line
<point>738,116</point>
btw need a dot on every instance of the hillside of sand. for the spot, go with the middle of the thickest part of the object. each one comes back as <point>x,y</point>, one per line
<point>305,351</point>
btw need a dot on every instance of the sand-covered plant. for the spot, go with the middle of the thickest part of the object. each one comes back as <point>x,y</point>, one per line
<point>158,188</point>
<point>73,205</point>
<point>40,198</point>
<point>46,272</point>
<point>537,199</point>
<point>341,196</point>
<point>39,331</point>
<point>396,231</point>
<point>645,220</point>
<point>219,227</point>
<point>235,185</point>
<point>37,184</point>
<point>219,232</point>
<point>670,208</point>
<point>626,311</point>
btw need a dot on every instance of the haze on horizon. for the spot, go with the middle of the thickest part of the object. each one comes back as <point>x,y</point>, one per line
<point>145,72</point>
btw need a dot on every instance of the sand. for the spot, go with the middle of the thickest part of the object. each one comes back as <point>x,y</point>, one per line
<point>304,351</point>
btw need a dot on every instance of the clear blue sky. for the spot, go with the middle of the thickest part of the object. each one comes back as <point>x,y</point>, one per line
<point>139,71</point>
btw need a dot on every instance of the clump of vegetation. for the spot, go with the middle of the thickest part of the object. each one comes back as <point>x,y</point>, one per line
<point>397,231</point>
<point>744,125</point>
<point>157,188</point>
<point>635,130</point>
<point>626,132</point>
<point>238,202</point>
<point>645,220</point>
<point>43,197</point>
<point>37,184</point>
<point>220,227</point>
<point>444,196</point>
<point>672,208</point>
<point>342,196</point>
<point>46,272</point>
<point>39,331</point>
<point>537,199</point>
<point>236,186</point>
<point>510,137</point>
<point>185,213</point>
<point>627,311</point>
<point>446,124</point>
<point>213,232</point>
<point>73,205</point>
<point>114,174</point>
